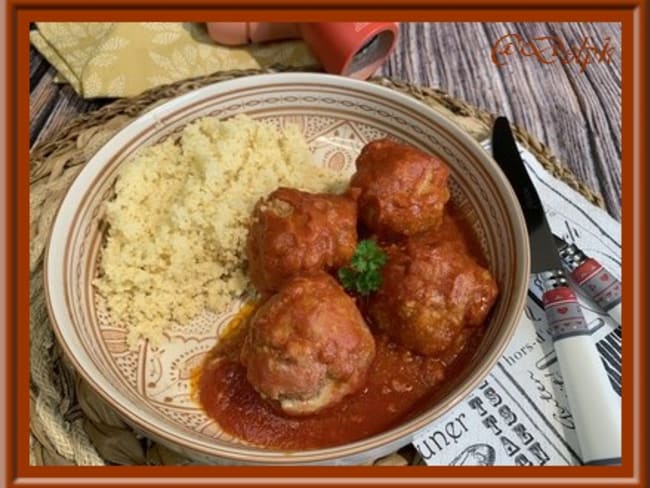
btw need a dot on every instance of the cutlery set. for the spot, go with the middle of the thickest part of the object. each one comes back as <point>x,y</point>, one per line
<point>593,404</point>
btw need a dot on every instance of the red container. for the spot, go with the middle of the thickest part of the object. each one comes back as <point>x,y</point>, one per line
<point>239,33</point>
<point>355,49</point>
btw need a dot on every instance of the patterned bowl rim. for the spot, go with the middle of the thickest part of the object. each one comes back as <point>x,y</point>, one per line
<point>174,436</point>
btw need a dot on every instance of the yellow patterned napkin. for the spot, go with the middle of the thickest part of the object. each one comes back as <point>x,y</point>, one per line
<point>102,59</point>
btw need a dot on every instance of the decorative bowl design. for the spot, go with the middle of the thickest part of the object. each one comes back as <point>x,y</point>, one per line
<point>151,386</point>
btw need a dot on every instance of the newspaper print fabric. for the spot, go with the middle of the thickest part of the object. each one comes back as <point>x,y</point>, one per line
<point>519,415</point>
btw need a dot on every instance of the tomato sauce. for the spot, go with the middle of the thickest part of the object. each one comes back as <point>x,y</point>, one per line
<point>399,385</point>
<point>397,380</point>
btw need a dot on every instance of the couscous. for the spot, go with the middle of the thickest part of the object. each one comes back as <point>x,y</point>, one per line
<point>179,219</point>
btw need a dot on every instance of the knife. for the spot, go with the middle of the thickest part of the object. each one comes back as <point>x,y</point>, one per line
<point>592,278</point>
<point>595,409</point>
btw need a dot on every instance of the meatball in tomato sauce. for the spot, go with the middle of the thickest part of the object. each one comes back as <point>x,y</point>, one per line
<point>294,232</point>
<point>307,346</point>
<point>430,292</point>
<point>402,190</point>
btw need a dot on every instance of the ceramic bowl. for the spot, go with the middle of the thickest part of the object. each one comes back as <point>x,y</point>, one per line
<point>151,386</point>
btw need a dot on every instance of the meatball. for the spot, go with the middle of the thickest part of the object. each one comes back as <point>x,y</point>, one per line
<point>307,346</point>
<point>429,294</point>
<point>402,190</point>
<point>295,232</point>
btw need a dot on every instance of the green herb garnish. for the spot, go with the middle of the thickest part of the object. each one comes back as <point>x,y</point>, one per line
<point>363,274</point>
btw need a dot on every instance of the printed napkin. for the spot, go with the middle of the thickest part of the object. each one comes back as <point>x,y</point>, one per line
<point>105,59</point>
<point>519,415</point>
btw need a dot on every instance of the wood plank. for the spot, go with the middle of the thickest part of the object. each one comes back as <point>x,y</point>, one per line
<point>38,65</point>
<point>576,114</point>
<point>53,105</point>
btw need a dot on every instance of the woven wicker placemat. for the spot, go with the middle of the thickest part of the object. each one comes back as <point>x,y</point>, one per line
<point>69,423</point>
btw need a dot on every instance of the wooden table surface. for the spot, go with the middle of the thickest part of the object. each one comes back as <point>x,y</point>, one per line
<point>575,111</point>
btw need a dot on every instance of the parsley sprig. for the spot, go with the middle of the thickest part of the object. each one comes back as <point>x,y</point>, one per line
<point>363,275</point>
